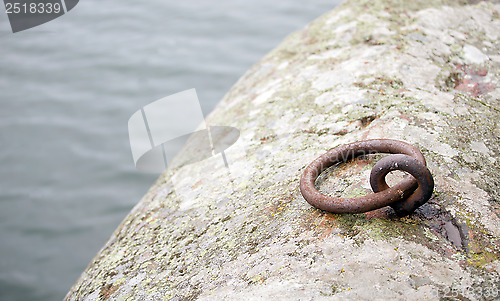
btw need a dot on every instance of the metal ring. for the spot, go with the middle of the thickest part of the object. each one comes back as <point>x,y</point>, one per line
<point>406,163</point>
<point>397,196</point>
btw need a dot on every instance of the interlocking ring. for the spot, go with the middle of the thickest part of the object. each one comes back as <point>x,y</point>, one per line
<point>406,196</point>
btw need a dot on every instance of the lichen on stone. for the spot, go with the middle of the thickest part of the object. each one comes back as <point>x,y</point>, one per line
<point>426,72</point>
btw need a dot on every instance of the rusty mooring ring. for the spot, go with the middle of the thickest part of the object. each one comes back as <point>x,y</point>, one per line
<point>404,197</point>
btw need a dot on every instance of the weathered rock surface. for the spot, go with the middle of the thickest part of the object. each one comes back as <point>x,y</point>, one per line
<point>426,72</point>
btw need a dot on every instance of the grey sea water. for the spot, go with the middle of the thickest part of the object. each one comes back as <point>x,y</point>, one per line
<point>67,89</point>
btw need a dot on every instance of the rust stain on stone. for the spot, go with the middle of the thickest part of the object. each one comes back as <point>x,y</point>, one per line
<point>108,290</point>
<point>471,79</point>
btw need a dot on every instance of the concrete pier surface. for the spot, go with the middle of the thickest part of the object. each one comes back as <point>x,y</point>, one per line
<point>424,72</point>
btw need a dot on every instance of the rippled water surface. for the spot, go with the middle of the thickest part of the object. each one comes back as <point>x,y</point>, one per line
<point>67,89</point>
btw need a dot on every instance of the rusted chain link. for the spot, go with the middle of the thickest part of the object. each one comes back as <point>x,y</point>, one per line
<point>404,197</point>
